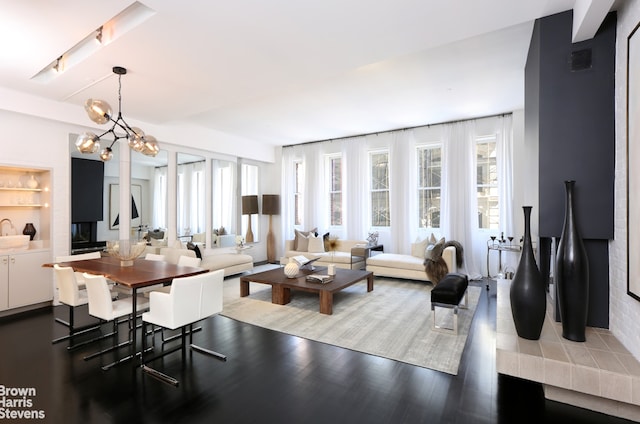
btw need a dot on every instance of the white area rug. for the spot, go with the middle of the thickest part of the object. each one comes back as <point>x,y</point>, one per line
<point>393,321</point>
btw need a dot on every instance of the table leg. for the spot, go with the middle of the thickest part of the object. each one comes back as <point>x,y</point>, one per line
<point>244,287</point>
<point>370,283</point>
<point>280,295</point>
<point>326,302</point>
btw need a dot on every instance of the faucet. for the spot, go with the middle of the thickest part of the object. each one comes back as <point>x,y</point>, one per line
<point>12,228</point>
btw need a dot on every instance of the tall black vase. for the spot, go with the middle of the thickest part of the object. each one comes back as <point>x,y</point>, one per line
<point>528,294</point>
<point>572,275</point>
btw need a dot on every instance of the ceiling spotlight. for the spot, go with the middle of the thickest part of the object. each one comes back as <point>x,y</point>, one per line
<point>99,35</point>
<point>100,112</point>
<point>59,65</point>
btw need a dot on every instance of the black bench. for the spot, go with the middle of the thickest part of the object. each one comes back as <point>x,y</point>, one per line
<point>448,293</point>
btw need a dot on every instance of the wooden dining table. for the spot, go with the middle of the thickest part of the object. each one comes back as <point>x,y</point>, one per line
<point>142,273</point>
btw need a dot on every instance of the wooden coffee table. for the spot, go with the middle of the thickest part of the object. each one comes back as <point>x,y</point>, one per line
<point>281,285</point>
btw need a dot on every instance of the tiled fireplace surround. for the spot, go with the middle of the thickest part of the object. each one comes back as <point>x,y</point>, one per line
<point>599,374</point>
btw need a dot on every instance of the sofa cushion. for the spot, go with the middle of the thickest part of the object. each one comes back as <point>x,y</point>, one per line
<point>418,248</point>
<point>316,244</point>
<point>301,240</point>
<point>225,260</point>
<point>172,255</point>
<point>396,260</point>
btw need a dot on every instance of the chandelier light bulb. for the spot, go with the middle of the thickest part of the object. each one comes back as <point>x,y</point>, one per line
<point>106,154</point>
<point>99,111</point>
<point>87,143</point>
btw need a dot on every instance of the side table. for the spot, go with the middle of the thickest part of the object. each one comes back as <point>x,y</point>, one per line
<point>360,253</point>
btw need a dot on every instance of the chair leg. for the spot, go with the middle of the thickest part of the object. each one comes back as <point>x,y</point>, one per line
<point>73,330</point>
<point>112,348</point>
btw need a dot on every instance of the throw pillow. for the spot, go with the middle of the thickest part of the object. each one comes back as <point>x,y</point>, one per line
<point>195,248</point>
<point>316,244</point>
<point>326,242</point>
<point>434,251</point>
<point>418,248</point>
<point>303,235</point>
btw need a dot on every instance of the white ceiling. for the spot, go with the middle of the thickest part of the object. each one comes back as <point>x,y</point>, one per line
<point>283,71</point>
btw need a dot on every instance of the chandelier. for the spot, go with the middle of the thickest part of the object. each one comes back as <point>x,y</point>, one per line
<point>99,112</point>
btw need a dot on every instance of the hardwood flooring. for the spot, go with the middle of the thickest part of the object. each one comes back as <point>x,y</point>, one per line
<point>269,377</point>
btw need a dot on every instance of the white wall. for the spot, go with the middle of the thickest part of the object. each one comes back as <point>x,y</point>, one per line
<point>31,141</point>
<point>624,313</point>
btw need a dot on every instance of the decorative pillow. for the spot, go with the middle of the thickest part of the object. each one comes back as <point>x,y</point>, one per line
<point>303,235</point>
<point>418,248</point>
<point>195,248</point>
<point>326,242</point>
<point>434,251</point>
<point>316,244</point>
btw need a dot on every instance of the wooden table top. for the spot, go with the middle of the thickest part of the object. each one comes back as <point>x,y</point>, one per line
<point>342,279</point>
<point>141,274</point>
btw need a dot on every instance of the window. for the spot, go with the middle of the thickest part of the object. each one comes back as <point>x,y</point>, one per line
<point>380,212</point>
<point>335,190</point>
<point>429,180</point>
<point>487,183</point>
<point>299,188</point>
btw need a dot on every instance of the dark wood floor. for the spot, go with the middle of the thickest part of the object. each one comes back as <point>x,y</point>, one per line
<point>270,378</point>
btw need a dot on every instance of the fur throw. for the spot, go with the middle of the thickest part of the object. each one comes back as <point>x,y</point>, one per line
<point>459,251</point>
<point>437,267</point>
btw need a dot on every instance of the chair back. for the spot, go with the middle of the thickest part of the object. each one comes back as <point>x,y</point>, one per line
<point>68,292</point>
<point>212,293</point>
<point>100,303</point>
<point>185,300</point>
<point>80,257</point>
<point>154,257</point>
<point>189,261</point>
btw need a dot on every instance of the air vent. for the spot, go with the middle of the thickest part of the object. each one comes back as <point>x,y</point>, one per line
<point>580,60</point>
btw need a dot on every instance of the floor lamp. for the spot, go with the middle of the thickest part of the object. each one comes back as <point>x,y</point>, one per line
<point>249,207</point>
<point>271,206</point>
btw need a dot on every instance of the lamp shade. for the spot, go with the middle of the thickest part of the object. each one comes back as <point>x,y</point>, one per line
<point>270,204</point>
<point>249,205</point>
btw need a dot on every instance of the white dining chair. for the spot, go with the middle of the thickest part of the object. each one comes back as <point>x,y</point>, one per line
<point>154,257</point>
<point>79,257</point>
<point>189,261</point>
<point>104,308</point>
<point>190,300</point>
<point>70,294</point>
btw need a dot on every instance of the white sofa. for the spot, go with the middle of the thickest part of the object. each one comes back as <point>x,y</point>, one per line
<point>407,266</point>
<point>341,257</point>
<point>213,259</point>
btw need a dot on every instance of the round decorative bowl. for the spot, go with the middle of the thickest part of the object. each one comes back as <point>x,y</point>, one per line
<point>125,250</point>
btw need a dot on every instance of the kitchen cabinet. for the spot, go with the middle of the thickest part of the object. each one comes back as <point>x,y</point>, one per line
<point>23,280</point>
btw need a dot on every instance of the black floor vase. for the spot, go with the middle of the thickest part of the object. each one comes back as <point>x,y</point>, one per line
<point>572,275</point>
<point>528,294</point>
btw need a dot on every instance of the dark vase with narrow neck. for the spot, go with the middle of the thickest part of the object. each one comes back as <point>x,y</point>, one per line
<point>572,275</point>
<point>29,230</point>
<point>528,294</point>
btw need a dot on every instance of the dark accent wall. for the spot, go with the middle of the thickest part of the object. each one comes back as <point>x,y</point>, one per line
<point>87,190</point>
<point>570,112</point>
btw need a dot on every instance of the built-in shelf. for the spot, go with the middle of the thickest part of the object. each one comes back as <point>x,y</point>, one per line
<point>599,374</point>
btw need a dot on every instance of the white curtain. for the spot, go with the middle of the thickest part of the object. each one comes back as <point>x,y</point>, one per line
<point>225,183</point>
<point>191,198</point>
<point>159,212</point>
<point>459,207</point>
